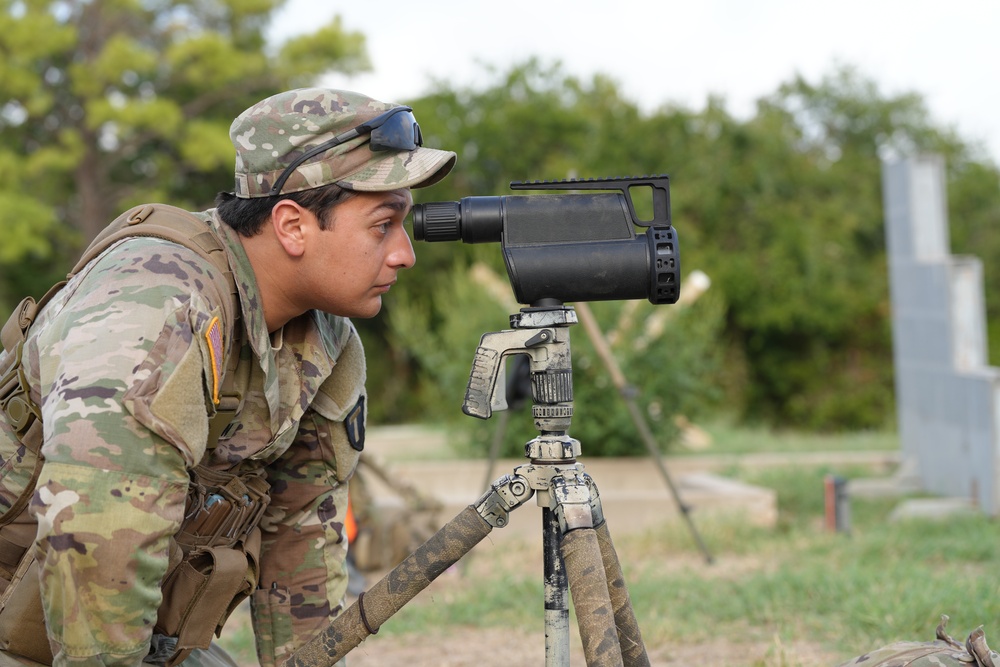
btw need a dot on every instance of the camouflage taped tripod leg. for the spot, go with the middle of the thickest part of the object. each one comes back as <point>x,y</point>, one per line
<point>629,637</point>
<point>393,591</point>
<point>591,600</point>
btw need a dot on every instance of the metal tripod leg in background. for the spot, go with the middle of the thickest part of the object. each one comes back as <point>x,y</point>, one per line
<point>518,392</point>
<point>495,444</point>
<point>556,592</point>
<point>628,393</point>
<point>580,559</point>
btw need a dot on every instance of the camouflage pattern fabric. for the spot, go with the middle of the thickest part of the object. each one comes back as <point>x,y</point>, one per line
<point>271,134</point>
<point>213,656</point>
<point>944,652</point>
<point>123,363</point>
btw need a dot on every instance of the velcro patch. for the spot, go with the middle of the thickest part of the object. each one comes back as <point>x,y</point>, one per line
<point>213,336</point>
<point>355,425</point>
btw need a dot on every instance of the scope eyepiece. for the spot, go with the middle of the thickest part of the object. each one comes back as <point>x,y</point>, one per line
<point>439,221</point>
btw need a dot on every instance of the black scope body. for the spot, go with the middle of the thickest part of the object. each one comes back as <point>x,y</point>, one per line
<point>567,247</point>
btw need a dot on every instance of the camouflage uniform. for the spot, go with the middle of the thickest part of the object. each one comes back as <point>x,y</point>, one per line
<point>124,363</point>
<point>944,652</point>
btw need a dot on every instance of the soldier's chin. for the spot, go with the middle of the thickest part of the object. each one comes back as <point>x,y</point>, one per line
<point>369,309</point>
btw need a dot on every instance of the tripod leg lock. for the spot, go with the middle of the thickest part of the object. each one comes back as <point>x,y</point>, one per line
<point>571,494</point>
<point>597,511</point>
<point>506,494</point>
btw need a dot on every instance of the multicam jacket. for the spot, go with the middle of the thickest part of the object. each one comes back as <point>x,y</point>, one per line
<point>126,364</point>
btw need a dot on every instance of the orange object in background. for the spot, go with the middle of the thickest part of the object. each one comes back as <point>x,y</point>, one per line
<point>350,525</point>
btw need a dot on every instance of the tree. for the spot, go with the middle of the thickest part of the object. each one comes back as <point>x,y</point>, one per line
<point>114,103</point>
<point>804,268</point>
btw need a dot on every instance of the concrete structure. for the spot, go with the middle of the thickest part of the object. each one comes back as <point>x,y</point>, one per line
<point>946,394</point>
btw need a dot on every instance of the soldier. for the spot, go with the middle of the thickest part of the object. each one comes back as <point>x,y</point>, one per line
<point>199,403</point>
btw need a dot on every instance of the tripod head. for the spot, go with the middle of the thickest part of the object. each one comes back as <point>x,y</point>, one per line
<point>541,334</point>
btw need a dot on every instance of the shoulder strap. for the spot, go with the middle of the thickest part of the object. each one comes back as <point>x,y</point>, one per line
<point>156,220</point>
<point>171,224</point>
<point>177,226</point>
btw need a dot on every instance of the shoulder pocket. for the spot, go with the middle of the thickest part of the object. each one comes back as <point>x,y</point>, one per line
<point>173,388</point>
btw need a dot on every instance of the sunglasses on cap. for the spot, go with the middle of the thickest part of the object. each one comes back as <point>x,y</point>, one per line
<point>394,130</point>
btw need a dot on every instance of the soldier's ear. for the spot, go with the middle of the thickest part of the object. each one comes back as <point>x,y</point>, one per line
<point>289,222</point>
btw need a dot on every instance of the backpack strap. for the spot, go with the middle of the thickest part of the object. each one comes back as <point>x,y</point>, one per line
<point>177,226</point>
<point>15,330</point>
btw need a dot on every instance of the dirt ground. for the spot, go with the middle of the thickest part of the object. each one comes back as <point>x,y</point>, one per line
<point>466,646</point>
<point>496,647</point>
<point>502,648</point>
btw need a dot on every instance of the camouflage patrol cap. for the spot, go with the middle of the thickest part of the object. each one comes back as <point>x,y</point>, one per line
<point>272,134</point>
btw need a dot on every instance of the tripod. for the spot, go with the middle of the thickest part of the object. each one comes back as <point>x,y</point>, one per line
<point>579,556</point>
<point>518,388</point>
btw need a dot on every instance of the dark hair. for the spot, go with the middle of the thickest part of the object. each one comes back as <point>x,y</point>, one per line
<point>247,216</point>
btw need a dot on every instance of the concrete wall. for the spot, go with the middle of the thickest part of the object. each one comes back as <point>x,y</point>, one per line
<point>947,396</point>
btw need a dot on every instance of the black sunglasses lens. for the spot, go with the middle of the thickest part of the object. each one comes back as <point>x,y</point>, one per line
<point>399,132</point>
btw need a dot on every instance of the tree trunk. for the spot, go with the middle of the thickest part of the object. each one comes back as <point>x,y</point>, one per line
<point>93,210</point>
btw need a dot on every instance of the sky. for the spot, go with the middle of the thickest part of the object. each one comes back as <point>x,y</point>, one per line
<point>681,52</point>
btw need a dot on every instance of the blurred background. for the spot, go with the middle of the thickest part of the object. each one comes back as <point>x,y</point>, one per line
<point>771,120</point>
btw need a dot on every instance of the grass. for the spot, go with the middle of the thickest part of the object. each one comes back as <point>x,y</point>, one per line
<point>882,583</point>
<point>792,583</point>
<point>728,438</point>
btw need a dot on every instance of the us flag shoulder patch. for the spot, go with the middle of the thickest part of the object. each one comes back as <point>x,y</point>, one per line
<point>213,336</point>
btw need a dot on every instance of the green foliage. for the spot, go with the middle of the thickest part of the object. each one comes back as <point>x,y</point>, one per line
<point>441,341</point>
<point>804,272</point>
<point>301,58</point>
<point>672,361</point>
<point>110,104</point>
<point>32,237</point>
<point>26,225</point>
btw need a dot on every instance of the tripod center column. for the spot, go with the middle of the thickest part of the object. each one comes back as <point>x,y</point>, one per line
<point>552,391</point>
